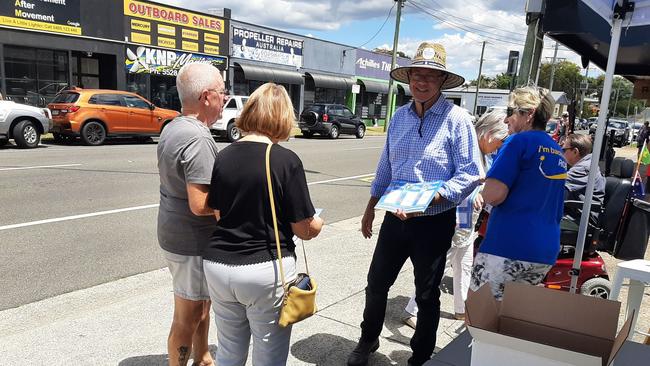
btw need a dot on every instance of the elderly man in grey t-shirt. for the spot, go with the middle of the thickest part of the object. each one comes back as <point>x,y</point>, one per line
<point>186,154</point>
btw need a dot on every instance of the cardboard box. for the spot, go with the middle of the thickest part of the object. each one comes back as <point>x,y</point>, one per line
<point>539,326</point>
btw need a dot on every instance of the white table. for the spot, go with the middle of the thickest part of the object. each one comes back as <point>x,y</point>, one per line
<point>638,271</point>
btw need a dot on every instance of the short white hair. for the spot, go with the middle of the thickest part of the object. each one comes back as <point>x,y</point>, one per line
<point>193,78</point>
<point>492,125</point>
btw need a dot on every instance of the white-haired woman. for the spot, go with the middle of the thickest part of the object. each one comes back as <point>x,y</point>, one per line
<point>491,131</point>
<point>525,187</point>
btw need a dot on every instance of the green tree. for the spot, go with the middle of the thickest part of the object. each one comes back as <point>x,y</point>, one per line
<point>502,81</point>
<point>486,82</point>
<point>390,52</point>
<point>620,102</point>
<point>566,78</point>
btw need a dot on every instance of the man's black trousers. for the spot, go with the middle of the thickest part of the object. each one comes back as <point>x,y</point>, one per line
<point>425,240</point>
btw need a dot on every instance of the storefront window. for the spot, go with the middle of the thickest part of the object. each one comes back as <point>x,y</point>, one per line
<point>35,76</point>
<point>325,95</point>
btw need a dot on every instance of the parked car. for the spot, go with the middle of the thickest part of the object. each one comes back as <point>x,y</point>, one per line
<point>95,114</point>
<point>621,131</point>
<point>225,126</point>
<point>330,120</point>
<point>636,127</point>
<point>23,123</point>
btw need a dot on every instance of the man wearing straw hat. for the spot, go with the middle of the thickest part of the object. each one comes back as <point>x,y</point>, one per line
<point>429,139</point>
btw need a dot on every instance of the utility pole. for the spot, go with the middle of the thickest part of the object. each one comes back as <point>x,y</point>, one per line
<point>478,80</point>
<point>389,107</point>
<point>618,91</point>
<point>534,43</point>
<point>583,88</point>
<point>550,84</point>
<point>627,113</point>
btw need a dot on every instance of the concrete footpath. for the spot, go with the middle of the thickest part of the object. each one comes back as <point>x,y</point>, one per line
<point>126,322</point>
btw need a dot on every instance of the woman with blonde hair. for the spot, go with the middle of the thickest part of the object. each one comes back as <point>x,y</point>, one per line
<point>241,260</point>
<point>525,187</point>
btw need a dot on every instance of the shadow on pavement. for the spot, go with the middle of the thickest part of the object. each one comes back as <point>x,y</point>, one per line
<point>327,349</point>
<point>155,360</point>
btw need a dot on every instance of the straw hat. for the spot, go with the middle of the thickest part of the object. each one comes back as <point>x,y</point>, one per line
<point>429,56</point>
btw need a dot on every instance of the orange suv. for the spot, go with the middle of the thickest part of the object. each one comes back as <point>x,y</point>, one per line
<point>94,114</point>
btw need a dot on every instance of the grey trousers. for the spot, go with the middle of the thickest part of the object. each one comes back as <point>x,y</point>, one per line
<point>246,301</point>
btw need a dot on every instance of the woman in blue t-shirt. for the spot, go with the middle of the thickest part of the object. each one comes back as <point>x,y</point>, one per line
<point>525,186</point>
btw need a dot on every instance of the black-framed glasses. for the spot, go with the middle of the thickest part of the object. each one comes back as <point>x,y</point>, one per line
<point>511,110</point>
<point>223,92</point>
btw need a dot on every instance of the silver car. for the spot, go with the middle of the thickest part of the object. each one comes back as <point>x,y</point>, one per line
<point>23,123</point>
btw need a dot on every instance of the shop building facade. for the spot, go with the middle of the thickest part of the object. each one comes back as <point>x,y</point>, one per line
<point>109,44</point>
<point>46,46</point>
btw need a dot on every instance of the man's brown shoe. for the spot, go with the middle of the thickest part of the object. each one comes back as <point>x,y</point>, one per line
<point>360,354</point>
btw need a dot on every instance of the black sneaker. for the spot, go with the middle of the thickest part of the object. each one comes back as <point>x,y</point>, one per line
<point>360,354</point>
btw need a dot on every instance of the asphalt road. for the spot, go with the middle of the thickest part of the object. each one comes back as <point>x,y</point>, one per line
<point>77,216</point>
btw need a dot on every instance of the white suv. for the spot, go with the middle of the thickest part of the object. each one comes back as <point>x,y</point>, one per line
<point>23,123</point>
<point>226,125</point>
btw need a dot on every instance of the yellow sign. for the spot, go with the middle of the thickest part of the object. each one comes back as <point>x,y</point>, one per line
<point>190,34</point>
<point>35,25</point>
<point>140,25</point>
<point>212,38</point>
<point>190,46</point>
<point>166,42</point>
<point>166,30</point>
<point>143,10</point>
<point>211,49</point>
<point>140,38</point>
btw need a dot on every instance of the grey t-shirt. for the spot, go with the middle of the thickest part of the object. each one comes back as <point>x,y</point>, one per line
<point>186,154</point>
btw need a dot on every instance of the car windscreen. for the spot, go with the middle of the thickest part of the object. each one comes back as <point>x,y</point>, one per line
<point>614,124</point>
<point>65,98</point>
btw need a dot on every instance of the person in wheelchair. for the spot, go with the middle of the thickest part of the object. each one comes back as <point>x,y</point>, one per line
<point>577,152</point>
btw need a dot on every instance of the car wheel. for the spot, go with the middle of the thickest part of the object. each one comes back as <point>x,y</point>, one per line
<point>596,287</point>
<point>26,135</point>
<point>361,131</point>
<point>334,132</point>
<point>93,133</point>
<point>307,134</point>
<point>233,132</point>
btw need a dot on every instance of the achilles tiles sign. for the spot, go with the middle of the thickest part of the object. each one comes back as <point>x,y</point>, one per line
<point>56,16</point>
<point>274,48</point>
<point>165,26</point>
<point>148,60</point>
<point>376,65</point>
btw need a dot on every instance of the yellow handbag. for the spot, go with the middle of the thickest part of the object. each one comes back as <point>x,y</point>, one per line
<point>299,299</point>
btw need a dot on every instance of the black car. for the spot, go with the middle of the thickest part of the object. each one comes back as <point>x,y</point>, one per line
<point>330,120</point>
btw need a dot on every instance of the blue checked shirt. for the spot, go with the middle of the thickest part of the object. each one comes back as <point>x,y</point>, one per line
<point>447,151</point>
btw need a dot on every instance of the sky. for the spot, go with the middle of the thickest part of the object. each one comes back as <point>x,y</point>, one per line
<point>460,26</point>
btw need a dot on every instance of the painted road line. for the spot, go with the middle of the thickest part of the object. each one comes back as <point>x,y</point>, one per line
<point>75,217</point>
<point>39,167</point>
<point>364,148</point>
<point>109,212</point>
<point>340,179</point>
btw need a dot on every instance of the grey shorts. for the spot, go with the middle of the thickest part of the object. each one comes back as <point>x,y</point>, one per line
<point>187,276</point>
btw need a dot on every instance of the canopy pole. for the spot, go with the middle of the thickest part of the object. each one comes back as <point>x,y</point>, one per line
<point>600,132</point>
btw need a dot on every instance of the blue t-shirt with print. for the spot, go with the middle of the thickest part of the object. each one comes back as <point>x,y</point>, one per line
<point>526,225</point>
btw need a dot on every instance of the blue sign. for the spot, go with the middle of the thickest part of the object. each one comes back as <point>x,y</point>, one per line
<point>376,65</point>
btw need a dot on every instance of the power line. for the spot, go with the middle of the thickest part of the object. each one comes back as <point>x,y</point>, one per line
<point>490,35</point>
<point>382,26</point>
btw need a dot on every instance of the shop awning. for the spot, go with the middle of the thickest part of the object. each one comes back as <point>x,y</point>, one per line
<point>331,81</point>
<point>374,86</point>
<point>267,74</point>
<point>404,89</point>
